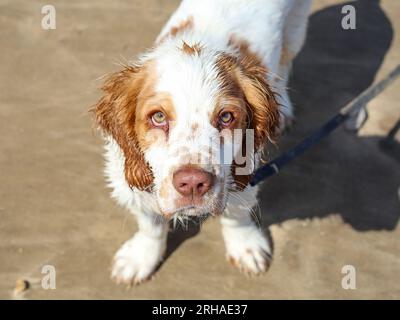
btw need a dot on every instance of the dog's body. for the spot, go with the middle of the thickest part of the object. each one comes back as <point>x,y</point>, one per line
<point>211,55</point>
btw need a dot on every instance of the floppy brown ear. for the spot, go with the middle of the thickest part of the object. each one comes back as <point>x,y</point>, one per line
<point>262,109</point>
<point>261,105</point>
<point>260,99</point>
<point>263,113</point>
<point>115,115</point>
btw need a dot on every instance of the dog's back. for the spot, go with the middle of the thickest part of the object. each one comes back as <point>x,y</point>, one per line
<point>262,23</point>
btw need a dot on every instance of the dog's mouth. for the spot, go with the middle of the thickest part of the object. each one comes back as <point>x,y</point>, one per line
<point>187,211</point>
<point>194,210</point>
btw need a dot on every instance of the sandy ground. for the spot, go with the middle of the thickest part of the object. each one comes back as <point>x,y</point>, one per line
<point>337,205</point>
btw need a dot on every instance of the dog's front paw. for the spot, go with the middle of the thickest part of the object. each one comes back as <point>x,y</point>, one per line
<point>247,249</point>
<point>136,261</point>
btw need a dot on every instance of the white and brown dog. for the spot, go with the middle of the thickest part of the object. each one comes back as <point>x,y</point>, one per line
<point>217,68</point>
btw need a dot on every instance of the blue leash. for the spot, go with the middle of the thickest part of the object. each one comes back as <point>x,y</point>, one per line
<point>274,166</point>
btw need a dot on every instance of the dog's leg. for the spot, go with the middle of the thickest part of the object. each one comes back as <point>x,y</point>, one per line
<point>138,258</point>
<point>283,99</point>
<point>294,34</point>
<point>247,247</point>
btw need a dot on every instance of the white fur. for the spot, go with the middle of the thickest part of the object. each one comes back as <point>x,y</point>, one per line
<point>137,259</point>
<point>270,27</point>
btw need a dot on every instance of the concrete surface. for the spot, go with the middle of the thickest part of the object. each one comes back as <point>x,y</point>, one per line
<point>337,205</point>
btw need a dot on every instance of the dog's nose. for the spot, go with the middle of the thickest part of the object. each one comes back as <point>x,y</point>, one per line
<point>192,182</point>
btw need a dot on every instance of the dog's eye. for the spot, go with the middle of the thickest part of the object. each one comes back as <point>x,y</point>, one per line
<point>159,119</point>
<point>226,118</point>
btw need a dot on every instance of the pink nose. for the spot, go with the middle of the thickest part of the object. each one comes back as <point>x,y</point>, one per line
<point>192,182</point>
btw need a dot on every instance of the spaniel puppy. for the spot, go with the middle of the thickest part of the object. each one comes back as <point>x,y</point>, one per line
<point>186,124</point>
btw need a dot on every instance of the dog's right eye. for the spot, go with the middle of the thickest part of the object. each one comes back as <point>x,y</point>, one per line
<point>159,119</point>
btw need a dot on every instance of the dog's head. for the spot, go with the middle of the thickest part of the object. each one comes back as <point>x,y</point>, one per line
<point>180,117</point>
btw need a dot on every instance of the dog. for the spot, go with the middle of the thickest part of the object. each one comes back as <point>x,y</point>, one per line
<point>215,79</point>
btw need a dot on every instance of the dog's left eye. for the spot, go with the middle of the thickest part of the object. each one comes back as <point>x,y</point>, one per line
<point>226,118</point>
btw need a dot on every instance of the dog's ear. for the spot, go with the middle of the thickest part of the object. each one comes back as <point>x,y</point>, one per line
<point>115,115</point>
<point>261,105</point>
<point>260,100</point>
<point>247,73</point>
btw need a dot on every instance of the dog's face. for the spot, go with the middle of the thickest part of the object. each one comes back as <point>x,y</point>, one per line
<point>180,118</point>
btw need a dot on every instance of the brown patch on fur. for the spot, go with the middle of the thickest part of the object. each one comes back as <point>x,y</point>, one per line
<point>245,77</point>
<point>184,25</point>
<point>180,28</point>
<point>191,50</point>
<point>115,114</point>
